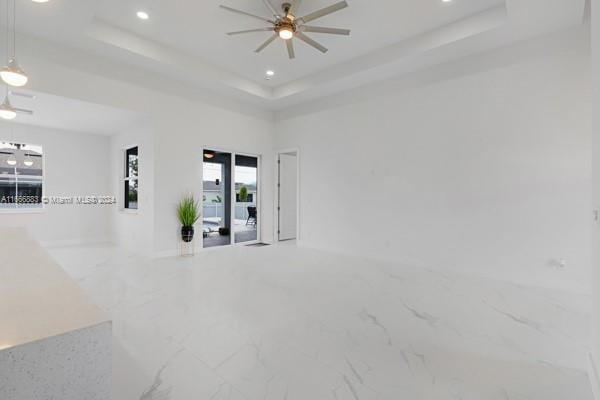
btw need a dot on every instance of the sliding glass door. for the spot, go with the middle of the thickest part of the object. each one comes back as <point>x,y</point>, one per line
<point>216,198</point>
<point>246,199</point>
<point>230,198</point>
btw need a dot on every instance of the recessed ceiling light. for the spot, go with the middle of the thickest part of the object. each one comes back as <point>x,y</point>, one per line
<point>270,73</point>
<point>40,1</point>
<point>446,1</point>
<point>143,15</point>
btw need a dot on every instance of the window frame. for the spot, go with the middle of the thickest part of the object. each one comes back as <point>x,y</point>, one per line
<point>127,179</point>
<point>42,178</point>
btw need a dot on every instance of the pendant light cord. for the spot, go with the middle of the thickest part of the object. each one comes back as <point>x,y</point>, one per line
<point>14,53</point>
<point>7,30</point>
<point>11,52</point>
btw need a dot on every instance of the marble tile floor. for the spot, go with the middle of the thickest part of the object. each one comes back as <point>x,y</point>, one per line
<point>289,323</point>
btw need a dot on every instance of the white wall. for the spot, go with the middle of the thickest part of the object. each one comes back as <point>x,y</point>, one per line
<point>595,281</point>
<point>182,121</point>
<point>134,229</point>
<point>485,172</point>
<point>75,165</point>
<point>179,163</point>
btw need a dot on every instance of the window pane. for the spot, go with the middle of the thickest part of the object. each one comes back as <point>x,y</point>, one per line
<point>21,175</point>
<point>29,192</point>
<point>131,179</point>
<point>246,187</point>
<point>8,192</point>
<point>131,169</point>
<point>30,161</point>
<point>131,194</point>
<point>216,201</point>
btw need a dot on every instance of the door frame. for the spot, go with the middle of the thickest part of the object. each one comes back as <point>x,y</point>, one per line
<point>276,201</point>
<point>259,193</point>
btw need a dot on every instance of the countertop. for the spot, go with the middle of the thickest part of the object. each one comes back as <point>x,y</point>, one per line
<point>38,299</point>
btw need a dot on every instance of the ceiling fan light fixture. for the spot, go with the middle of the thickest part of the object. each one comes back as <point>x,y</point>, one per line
<point>7,111</point>
<point>13,74</point>
<point>289,25</point>
<point>286,33</point>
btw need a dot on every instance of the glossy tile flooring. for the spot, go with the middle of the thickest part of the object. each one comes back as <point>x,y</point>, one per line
<point>289,323</point>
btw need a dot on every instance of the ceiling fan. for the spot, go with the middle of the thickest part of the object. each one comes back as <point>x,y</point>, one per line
<point>287,26</point>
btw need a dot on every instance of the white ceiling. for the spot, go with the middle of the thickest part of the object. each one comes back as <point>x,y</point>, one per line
<point>186,39</point>
<point>61,113</point>
<point>198,27</point>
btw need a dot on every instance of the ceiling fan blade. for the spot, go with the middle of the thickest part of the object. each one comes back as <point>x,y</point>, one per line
<point>324,11</point>
<point>265,44</point>
<point>294,7</point>
<point>319,29</point>
<point>272,8</point>
<point>311,42</point>
<point>246,14</point>
<point>24,111</point>
<point>250,31</point>
<point>21,94</point>
<point>290,48</point>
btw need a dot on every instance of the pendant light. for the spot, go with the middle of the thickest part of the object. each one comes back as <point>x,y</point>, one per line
<point>12,74</point>
<point>7,111</point>
<point>12,160</point>
<point>28,160</point>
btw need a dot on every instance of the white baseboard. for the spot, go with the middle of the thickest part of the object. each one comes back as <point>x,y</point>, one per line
<point>199,249</point>
<point>75,242</point>
<point>165,254</point>
<point>594,377</point>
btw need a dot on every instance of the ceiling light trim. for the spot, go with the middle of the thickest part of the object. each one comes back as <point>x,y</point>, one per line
<point>516,29</point>
<point>178,62</point>
<point>143,15</point>
<point>479,23</point>
<point>468,27</point>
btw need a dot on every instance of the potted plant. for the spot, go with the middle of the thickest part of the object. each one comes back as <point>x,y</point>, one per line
<point>243,195</point>
<point>188,212</point>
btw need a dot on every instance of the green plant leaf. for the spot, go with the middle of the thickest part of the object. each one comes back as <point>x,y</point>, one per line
<point>188,211</point>
<point>243,194</point>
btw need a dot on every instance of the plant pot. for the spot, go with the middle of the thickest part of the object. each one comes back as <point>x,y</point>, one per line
<point>224,231</point>
<point>187,233</point>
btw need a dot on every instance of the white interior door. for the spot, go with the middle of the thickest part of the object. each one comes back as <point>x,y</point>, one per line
<point>288,196</point>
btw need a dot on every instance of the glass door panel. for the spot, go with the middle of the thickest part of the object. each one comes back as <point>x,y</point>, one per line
<point>216,200</point>
<point>246,199</point>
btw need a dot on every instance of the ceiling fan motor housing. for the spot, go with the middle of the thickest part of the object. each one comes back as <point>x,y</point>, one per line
<point>285,25</point>
<point>286,7</point>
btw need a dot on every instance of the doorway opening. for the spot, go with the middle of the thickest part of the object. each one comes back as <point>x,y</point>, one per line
<point>288,195</point>
<point>230,198</point>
